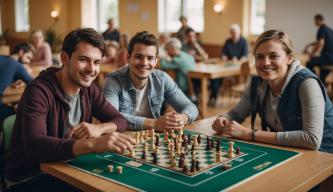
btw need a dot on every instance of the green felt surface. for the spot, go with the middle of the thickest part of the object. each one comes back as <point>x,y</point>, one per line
<point>150,177</point>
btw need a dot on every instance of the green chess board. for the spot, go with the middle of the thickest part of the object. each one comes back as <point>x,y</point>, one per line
<point>144,175</point>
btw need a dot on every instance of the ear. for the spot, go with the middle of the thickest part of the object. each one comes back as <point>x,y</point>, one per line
<point>64,57</point>
<point>290,59</point>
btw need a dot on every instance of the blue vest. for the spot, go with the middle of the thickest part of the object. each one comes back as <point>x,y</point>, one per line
<point>289,108</point>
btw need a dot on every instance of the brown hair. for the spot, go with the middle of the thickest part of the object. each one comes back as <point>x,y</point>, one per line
<point>88,35</point>
<point>275,35</point>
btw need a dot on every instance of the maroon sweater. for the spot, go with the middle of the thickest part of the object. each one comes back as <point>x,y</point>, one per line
<point>39,128</point>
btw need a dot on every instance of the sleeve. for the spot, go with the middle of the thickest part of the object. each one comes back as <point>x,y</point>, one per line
<point>33,114</point>
<point>165,64</point>
<point>104,111</point>
<point>22,74</point>
<point>177,99</point>
<point>224,50</point>
<point>112,94</point>
<point>243,108</point>
<point>321,33</point>
<point>245,49</point>
<point>313,112</point>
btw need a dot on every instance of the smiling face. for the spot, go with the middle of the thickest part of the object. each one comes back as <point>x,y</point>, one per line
<point>272,61</point>
<point>37,38</point>
<point>83,66</point>
<point>142,61</point>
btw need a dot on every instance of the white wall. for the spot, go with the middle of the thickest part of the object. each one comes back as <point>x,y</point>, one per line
<point>296,18</point>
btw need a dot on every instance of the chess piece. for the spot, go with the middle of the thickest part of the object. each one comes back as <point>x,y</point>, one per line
<point>120,169</point>
<point>199,139</point>
<point>197,165</point>
<point>110,168</point>
<point>231,149</point>
<point>237,150</point>
<point>195,141</point>
<point>143,155</point>
<point>166,135</point>
<point>155,160</point>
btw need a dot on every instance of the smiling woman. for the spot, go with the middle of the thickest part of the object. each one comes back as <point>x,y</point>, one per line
<point>291,101</point>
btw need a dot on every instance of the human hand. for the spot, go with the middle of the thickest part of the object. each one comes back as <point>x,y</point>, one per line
<point>85,131</point>
<point>220,123</point>
<point>234,129</point>
<point>115,142</point>
<point>170,120</point>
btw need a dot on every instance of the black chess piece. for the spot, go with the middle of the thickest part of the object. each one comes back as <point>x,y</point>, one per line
<point>143,155</point>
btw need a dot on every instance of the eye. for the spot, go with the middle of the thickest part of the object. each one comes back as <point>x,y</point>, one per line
<point>259,57</point>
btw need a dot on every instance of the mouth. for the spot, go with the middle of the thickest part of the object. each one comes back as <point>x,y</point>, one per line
<point>267,69</point>
<point>143,68</point>
<point>88,76</point>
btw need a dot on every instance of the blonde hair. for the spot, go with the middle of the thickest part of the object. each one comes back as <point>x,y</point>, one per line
<point>278,36</point>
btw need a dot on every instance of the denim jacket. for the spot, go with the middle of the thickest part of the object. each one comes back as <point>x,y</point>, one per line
<point>120,92</point>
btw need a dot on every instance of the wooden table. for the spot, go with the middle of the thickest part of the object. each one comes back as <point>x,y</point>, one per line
<point>205,72</point>
<point>298,174</point>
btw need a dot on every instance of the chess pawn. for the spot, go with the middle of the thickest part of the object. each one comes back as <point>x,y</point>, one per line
<point>145,147</point>
<point>219,156</point>
<point>146,134</point>
<point>166,136</point>
<point>231,149</point>
<point>157,150</point>
<point>178,149</point>
<point>120,169</point>
<point>137,138</point>
<point>195,141</point>
<point>152,132</point>
<point>173,162</point>
<point>172,134</point>
<point>110,168</point>
<point>142,139</point>
<point>181,131</point>
<point>132,153</point>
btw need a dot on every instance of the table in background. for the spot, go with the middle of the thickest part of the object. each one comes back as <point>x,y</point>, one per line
<point>206,72</point>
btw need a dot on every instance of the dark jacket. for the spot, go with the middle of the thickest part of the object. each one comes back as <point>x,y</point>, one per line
<point>40,121</point>
<point>289,108</point>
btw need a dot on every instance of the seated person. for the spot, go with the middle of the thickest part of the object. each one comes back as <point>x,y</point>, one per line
<point>235,48</point>
<point>139,91</point>
<point>43,55</point>
<point>111,33</point>
<point>290,100</point>
<point>193,47</point>
<point>12,69</point>
<point>162,41</point>
<point>181,62</point>
<point>322,53</point>
<point>110,57</point>
<point>122,54</point>
<point>53,121</point>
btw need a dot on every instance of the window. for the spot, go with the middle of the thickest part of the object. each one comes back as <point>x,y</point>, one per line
<point>169,12</point>
<point>258,10</point>
<point>95,13</point>
<point>22,16</point>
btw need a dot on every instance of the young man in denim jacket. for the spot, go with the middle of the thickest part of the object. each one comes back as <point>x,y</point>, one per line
<point>139,91</point>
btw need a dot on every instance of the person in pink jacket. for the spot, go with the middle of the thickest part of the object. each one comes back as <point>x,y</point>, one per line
<point>43,56</point>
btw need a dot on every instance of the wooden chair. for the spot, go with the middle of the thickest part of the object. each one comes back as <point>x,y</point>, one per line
<point>5,136</point>
<point>239,89</point>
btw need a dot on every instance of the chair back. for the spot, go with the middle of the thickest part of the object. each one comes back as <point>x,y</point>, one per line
<point>5,138</point>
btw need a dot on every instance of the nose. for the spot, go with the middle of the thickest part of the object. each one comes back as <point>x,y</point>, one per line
<point>267,60</point>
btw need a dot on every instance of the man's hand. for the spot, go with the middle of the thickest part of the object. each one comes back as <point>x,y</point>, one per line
<point>220,123</point>
<point>86,130</point>
<point>171,120</point>
<point>115,142</point>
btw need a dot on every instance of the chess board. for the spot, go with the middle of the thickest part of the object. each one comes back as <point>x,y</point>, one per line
<point>206,158</point>
<point>144,175</point>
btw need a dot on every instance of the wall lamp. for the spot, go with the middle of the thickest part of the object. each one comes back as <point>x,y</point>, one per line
<point>218,8</point>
